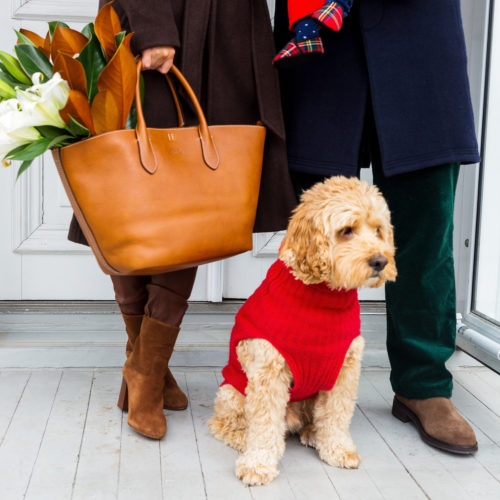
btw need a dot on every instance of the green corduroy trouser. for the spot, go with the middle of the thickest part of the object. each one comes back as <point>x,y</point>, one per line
<point>421,307</point>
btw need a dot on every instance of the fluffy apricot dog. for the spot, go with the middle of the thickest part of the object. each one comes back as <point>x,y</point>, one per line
<point>295,352</point>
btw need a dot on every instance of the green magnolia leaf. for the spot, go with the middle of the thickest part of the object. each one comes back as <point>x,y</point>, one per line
<point>119,38</point>
<point>77,128</point>
<point>24,39</point>
<point>58,141</point>
<point>13,68</point>
<point>33,60</point>
<point>31,151</point>
<point>87,30</point>
<point>50,132</point>
<point>53,25</point>
<point>24,166</point>
<point>16,150</point>
<point>93,61</point>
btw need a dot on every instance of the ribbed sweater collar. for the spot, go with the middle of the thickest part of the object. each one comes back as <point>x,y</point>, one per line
<point>291,289</point>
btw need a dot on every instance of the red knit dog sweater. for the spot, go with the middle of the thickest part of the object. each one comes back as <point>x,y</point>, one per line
<point>311,326</point>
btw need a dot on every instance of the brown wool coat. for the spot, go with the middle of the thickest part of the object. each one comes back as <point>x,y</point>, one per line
<point>225,49</point>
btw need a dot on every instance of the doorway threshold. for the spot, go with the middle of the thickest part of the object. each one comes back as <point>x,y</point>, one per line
<point>110,307</point>
<point>91,334</point>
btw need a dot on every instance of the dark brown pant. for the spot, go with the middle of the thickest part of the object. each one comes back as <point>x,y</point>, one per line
<point>162,296</point>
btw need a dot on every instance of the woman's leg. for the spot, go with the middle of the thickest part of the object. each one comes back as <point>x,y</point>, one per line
<point>149,380</point>
<point>131,296</point>
<point>167,302</point>
<point>162,296</point>
<point>131,293</point>
<point>167,295</point>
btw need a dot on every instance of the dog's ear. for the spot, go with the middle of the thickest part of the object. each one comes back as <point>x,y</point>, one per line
<point>390,236</point>
<point>390,270</point>
<point>306,247</point>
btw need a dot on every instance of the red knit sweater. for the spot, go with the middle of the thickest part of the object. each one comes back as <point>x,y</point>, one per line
<point>298,9</point>
<point>310,325</point>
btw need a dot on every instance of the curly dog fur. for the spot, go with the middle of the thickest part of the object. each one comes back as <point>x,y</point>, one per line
<point>334,234</point>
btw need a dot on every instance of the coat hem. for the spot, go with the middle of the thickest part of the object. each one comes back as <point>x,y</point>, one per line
<point>321,168</point>
<point>394,167</point>
<point>462,156</point>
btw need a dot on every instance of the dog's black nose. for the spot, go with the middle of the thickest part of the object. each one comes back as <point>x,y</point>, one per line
<point>378,263</point>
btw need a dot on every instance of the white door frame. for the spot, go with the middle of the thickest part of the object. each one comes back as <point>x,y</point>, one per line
<point>479,16</point>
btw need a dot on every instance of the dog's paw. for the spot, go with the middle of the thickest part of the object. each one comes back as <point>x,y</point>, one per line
<point>255,474</point>
<point>308,436</point>
<point>340,457</point>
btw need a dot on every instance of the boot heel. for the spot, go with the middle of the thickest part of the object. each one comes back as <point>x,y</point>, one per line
<point>399,411</point>
<point>123,397</point>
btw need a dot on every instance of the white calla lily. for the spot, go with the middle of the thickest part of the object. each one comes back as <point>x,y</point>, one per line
<point>12,116</point>
<point>15,127</point>
<point>34,107</point>
<point>22,136</point>
<point>56,89</point>
<point>42,101</point>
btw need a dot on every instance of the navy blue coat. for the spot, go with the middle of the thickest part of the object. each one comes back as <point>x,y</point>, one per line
<point>404,59</point>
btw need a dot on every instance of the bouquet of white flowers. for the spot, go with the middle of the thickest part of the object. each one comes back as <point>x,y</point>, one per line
<point>65,87</point>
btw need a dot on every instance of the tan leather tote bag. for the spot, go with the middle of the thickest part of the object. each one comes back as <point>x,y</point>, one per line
<point>153,200</point>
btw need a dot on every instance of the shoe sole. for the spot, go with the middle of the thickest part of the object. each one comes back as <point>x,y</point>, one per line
<point>403,413</point>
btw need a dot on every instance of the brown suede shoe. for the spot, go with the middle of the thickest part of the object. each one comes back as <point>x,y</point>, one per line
<point>173,397</point>
<point>144,372</point>
<point>438,423</point>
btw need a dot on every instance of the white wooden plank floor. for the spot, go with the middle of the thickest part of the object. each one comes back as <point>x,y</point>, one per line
<point>62,437</point>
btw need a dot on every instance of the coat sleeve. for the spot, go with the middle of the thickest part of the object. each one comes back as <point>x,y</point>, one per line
<point>152,22</point>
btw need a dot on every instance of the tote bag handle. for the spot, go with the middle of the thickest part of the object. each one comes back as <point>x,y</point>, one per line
<point>146,152</point>
<point>177,103</point>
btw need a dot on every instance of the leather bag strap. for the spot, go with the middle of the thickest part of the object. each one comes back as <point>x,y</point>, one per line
<point>178,108</point>
<point>146,152</point>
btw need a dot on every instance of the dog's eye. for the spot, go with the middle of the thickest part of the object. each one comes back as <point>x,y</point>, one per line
<point>379,232</point>
<point>346,232</point>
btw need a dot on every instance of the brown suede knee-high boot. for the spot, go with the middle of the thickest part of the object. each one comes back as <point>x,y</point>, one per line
<point>144,372</point>
<point>173,397</point>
